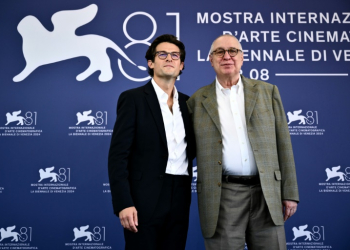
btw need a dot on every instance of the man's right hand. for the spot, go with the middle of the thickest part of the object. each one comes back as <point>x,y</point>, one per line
<point>128,219</point>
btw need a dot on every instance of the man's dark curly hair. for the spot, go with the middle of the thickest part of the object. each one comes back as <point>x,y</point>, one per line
<point>151,52</point>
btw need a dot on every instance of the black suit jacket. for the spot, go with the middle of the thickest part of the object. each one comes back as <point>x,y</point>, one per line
<point>138,153</point>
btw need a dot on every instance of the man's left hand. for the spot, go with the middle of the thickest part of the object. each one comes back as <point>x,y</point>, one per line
<point>288,208</point>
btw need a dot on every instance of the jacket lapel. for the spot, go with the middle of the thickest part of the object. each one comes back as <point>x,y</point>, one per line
<point>190,150</point>
<point>250,97</point>
<point>153,104</point>
<point>211,105</point>
<point>184,113</point>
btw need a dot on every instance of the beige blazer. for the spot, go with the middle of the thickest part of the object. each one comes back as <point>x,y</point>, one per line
<point>270,140</point>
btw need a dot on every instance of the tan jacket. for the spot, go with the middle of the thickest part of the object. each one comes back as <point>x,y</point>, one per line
<point>270,140</point>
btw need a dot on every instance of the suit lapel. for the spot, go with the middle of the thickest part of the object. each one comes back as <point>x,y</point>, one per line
<point>211,105</point>
<point>250,97</point>
<point>153,104</point>
<point>184,113</point>
<point>188,130</point>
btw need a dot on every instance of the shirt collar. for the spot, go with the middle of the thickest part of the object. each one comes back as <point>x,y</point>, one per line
<point>239,85</point>
<point>162,96</point>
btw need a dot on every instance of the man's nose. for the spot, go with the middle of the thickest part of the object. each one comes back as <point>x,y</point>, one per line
<point>226,55</point>
<point>168,57</point>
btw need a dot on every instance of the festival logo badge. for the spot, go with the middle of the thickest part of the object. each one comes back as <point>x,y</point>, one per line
<point>90,124</point>
<point>86,117</point>
<point>82,233</point>
<point>14,117</point>
<point>53,182</point>
<point>334,173</point>
<point>42,47</point>
<point>20,238</point>
<point>194,179</point>
<point>9,233</point>
<point>305,236</point>
<point>336,181</point>
<point>20,124</point>
<point>307,124</point>
<point>44,174</point>
<point>301,232</point>
<point>93,238</point>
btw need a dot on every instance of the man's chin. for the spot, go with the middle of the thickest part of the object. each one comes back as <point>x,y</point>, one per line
<point>229,73</point>
<point>169,76</point>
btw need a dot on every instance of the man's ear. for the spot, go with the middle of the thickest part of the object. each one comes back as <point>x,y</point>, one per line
<point>182,65</point>
<point>211,60</point>
<point>150,64</point>
<point>242,56</point>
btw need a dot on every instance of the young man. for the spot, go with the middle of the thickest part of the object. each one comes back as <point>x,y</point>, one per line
<point>151,153</point>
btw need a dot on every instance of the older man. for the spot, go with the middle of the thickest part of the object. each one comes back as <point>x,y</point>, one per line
<point>247,183</point>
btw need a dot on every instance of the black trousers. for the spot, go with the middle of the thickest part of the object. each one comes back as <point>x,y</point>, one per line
<point>167,229</point>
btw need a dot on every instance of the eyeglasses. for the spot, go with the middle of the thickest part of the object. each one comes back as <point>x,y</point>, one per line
<point>221,52</point>
<point>162,55</point>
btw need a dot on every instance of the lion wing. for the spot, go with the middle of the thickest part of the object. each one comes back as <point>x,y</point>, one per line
<point>302,228</point>
<point>297,112</point>
<point>15,113</point>
<point>335,169</point>
<point>67,21</point>
<point>48,170</point>
<point>83,228</point>
<point>9,229</point>
<point>86,113</point>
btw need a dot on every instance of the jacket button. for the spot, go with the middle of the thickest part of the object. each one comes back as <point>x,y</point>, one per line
<point>219,162</point>
<point>219,184</point>
<point>220,141</point>
<point>161,176</point>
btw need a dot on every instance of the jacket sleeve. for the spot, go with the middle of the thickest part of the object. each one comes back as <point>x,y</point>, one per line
<point>120,151</point>
<point>285,151</point>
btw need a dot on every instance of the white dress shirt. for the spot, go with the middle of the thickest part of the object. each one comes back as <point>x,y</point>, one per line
<point>238,157</point>
<point>174,131</point>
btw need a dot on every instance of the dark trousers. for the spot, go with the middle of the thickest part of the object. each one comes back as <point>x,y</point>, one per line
<point>167,229</point>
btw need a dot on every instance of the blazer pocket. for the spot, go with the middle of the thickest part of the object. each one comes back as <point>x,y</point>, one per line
<point>135,175</point>
<point>199,188</point>
<point>278,175</point>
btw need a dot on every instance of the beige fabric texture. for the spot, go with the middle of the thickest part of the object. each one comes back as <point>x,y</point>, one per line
<point>270,140</point>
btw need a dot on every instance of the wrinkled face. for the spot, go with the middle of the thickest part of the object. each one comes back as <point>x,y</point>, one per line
<point>226,65</point>
<point>167,68</point>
